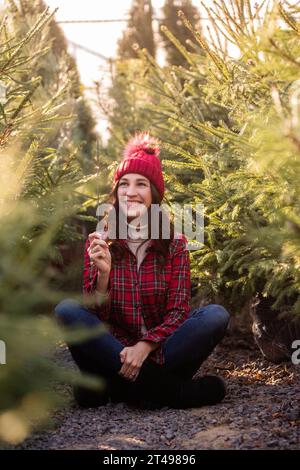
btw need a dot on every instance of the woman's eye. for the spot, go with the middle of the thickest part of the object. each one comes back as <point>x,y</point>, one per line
<point>139,184</point>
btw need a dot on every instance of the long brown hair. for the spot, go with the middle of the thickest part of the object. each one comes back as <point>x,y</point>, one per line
<point>161,245</point>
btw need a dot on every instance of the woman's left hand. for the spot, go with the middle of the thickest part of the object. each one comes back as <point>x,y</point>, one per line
<point>132,358</point>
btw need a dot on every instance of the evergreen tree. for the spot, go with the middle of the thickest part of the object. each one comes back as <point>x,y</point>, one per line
<point>139,30</point>
<point>126,112</point>
<point>38,197</point>
<point>230,125</point>
<point>73,136</point>
<point>245,163</point>
<point>174,25</point>
<point>55,66</point>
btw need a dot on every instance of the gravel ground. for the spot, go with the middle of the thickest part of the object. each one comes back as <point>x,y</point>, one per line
<point>260,411</point>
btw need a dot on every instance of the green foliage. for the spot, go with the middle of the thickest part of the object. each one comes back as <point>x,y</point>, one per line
<point>38,206</point>
<point>127,113</point>
<point>139,30</point>
<point>175,37</point>
<point>56,69</point>
<point>232,125</point>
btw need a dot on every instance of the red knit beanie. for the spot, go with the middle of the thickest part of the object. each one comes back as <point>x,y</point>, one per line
<point>141,156</point>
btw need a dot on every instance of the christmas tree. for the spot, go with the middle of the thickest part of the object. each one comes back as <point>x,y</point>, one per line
<point>38,200</point>
<point>236,114</point>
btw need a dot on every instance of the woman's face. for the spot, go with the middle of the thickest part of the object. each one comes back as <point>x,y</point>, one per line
<point>134,194</point>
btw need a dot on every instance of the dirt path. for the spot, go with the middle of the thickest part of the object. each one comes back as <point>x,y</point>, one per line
<point>261,411</point>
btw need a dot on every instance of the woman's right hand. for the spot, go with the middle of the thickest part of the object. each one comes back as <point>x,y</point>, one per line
<point>99,253</point>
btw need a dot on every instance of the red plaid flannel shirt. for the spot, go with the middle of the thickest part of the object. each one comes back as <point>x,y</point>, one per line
<point>160,297</point>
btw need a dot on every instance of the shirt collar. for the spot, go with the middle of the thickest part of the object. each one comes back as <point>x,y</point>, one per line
<point>123,242</point>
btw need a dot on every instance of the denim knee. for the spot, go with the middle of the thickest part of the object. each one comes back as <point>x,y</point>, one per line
<point>219,313</point>
<point>67,310</point>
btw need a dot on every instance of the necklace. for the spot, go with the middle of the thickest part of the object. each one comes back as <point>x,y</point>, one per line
<point>137,234</point>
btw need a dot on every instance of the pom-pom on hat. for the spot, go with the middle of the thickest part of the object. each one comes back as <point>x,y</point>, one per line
<point>141,155</point>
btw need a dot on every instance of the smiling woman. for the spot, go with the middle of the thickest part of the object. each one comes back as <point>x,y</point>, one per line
<point>134,194</point>
<point>154,343</point>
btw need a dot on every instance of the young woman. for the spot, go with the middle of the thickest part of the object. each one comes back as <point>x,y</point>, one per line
<point>138,287</point>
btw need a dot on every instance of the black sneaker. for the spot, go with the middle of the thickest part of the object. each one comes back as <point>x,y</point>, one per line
<point>202,391</point>
<point>87,398</point>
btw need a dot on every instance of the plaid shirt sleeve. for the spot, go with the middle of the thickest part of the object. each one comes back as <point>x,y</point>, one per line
<point>94,300</point>
<point>179,294</point>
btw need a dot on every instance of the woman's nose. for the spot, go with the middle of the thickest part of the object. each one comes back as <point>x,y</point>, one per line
<point>131,190</point>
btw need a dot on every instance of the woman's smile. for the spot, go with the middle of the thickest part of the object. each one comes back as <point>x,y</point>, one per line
<point>132,203</point>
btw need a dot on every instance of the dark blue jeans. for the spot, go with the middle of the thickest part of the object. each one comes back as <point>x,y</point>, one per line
<point>184,350</point>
